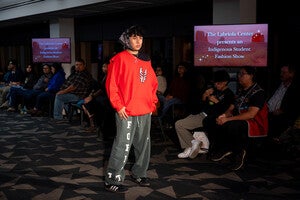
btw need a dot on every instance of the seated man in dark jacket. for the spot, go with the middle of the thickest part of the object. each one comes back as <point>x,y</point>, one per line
<point>284,105</point>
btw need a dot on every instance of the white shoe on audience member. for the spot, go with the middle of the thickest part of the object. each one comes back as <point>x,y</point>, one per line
<point>195,149</point>
<point>201,136</point>
<point>4,105</point>
<point>185,153</point>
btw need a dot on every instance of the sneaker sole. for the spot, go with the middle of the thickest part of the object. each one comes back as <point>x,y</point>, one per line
<point>241,164</point>
<point>194,153</point>
<point>114,189</point>
<point>222,157</point>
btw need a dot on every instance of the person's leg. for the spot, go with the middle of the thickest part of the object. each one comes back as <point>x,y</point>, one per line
<point>41,99</point>
<point>142,146</point>
<point>120,151</point>
<point>3,96</point>
<point>185,126</point>
<point>30,96</point>
<point>14,91</point>
<point>237,134</point>
<point>43,104</point>
<point>59,102</point>
<point>211,129</point>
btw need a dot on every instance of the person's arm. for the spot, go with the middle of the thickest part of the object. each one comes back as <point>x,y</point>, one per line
<point>112,86</point>
<point>97,93</point>
<point>228,112</point>
<point>249,114</point>
<point>69,89</point>
<point>207,93</point>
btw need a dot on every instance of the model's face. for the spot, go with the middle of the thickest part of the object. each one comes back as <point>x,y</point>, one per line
<point>136,42</point>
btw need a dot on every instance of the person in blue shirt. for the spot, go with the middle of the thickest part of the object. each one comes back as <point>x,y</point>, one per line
<point>53,87</point>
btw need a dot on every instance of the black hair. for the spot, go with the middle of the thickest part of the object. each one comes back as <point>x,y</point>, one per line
<point>184,64</point>
<point>57,66</point>
<point>80,60</point>
<point>251,71</point>
<point>134,30</point>
<point>220,76</point>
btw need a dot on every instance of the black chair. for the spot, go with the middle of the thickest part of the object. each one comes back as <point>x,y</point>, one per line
<point>74,109</point>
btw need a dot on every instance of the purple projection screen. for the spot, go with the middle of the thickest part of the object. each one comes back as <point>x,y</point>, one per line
<point>51,50</point>
<point>231,45</point>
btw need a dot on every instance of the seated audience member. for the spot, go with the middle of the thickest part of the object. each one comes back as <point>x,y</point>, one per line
<point>215,101</point>
<point>53,87</point>
<point>29,95</point>
<point>284,107</point>
<point>14,77</point>
<point>30,80</point>
<point>162,83</point>
<point>5,77</point>
<point>96,104</point>
<point>178,92</point>
<point>247,118</point>
<point>73,89</point>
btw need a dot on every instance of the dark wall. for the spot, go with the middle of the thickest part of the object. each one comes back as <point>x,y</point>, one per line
<point>167,21</point>
<point>22,34</point>
<point>284,30</point>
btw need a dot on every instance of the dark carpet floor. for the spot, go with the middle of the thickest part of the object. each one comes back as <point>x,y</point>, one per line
<point>39,160</point>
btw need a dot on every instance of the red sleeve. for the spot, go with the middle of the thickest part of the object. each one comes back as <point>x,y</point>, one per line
<point>111,84</point>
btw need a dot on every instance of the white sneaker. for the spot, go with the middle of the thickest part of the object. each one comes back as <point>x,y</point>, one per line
<point>201,136</point>
<point>195,149</point>
<point>185,153</point>
<point>11,109</point>
<point>4,105</point>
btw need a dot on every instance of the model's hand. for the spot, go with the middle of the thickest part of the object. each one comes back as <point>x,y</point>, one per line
<point>122,113</point>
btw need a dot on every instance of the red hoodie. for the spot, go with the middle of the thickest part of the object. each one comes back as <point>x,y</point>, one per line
<point>131,82</point>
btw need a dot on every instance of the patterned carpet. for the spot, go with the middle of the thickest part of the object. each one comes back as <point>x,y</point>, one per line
<point>39,160</point>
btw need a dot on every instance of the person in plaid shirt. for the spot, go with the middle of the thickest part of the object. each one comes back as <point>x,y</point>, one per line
<point>74,89</point>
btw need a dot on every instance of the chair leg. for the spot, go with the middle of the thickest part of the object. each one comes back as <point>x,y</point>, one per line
<point>51,103</point>
<point>70,112</point>
<point>81,117</point>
